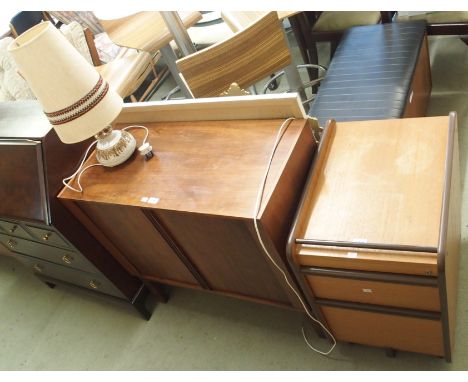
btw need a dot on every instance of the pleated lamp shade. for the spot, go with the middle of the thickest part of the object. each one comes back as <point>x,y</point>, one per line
<point>75,98</point>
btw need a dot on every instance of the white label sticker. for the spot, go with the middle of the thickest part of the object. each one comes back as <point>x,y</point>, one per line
<point>353,255</point>
<point>359,240</point>
<point>367,290</point>
<point>151,200</point>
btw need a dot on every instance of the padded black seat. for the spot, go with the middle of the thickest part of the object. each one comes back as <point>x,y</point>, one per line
<point>371,73</point>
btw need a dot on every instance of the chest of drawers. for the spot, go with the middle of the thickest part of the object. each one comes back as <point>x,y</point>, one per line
<point>34,226</point>
<point>375,244</point>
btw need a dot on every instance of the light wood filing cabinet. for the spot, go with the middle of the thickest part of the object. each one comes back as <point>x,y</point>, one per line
<point>375,243</point>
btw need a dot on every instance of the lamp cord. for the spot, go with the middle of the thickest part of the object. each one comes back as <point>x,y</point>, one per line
<point>284,126</point>
<point>66,181</point>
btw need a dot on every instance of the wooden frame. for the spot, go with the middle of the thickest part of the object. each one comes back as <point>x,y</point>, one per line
<point>268,106</point>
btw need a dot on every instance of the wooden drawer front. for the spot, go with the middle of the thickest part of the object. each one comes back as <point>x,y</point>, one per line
<point>63,257</point>
<point>14,229</point>
<point>375,292</point>
<point>385,330</point>
<point>48,236</point>
<point>87,280</point>
<point>398,262</point>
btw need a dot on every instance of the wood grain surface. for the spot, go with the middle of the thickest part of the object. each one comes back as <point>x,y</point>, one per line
<point>211,167</point>
<point>245,58</point>
<point>382,182</point>
<point>145,31</point>
<point>376,292</point>
<point>385,330</point>
<point>252,107</point>
<point>238,20</point>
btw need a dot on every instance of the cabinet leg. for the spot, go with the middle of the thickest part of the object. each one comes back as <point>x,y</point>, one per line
<point>159,291</point>
<point>145,298</point>
<point>389,352</point>
<point>140,304</point>
<point>50,285</point>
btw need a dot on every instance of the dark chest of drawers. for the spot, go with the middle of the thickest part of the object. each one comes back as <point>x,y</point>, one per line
<point>34,226</point>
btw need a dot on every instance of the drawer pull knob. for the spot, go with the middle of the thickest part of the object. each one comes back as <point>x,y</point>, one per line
<point>38,268</point>
<point>94,284</point>
<point>13,229</point>
<point>67,259</point>
<point>11,244</point>
<point>367,290</point>
<point>46,236</point>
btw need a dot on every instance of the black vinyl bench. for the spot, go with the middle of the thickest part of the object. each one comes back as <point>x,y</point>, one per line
<point>378,72</point>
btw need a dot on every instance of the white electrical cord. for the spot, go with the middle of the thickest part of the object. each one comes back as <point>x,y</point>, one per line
<point>71,177</point>
<point>280,134</point>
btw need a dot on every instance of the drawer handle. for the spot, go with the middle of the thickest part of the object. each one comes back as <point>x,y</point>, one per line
<point>94,284</point>
<point>12,244</point>
<point>38,268</point>
<point>67,259</point>
<point>13,229</point>
<point>46,236</point>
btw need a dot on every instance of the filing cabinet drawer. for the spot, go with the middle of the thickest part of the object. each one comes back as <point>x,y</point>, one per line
<point>96,282</point>
<point>56,255</point>
<point>375,292</point>
<point>48,236</point>
<point>14,229</point>
<point>421,335</point>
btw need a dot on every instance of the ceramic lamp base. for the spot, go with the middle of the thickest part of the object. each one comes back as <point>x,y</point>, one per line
<point>114,146</point>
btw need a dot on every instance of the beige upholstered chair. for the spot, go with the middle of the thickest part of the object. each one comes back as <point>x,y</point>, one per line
<point>247,57</point>
<point>442,23</point>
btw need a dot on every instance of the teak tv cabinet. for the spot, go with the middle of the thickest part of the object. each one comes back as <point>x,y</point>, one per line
<point>186,216</point>
<point>375,243</point>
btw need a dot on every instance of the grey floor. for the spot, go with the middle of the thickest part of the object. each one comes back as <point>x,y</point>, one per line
<point>66,329</point>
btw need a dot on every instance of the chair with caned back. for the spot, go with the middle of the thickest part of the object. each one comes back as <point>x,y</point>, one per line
<point>247,57</point>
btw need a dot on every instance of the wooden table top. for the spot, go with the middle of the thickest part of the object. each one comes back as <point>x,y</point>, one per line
<point>238,20</point>
<point>211,167</point>
<point>145,31</point>
<point>380,182</point>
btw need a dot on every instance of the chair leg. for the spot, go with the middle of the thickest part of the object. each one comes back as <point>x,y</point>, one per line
<point>301,27</point>
<point>154,82</point>
<point>333,46</point>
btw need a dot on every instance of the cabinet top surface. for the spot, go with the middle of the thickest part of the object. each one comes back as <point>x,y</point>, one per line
<point>210,167</point>
<point>380,182</point>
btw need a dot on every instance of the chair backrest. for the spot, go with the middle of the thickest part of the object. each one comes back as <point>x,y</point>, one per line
<point>24,20</point>
<point>145,31</point>
<point>245,58</point>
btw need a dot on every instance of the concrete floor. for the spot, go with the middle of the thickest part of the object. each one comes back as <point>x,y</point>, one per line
<point>68,329</point>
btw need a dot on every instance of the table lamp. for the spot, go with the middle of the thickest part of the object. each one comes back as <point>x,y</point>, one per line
<point>74,96</point>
